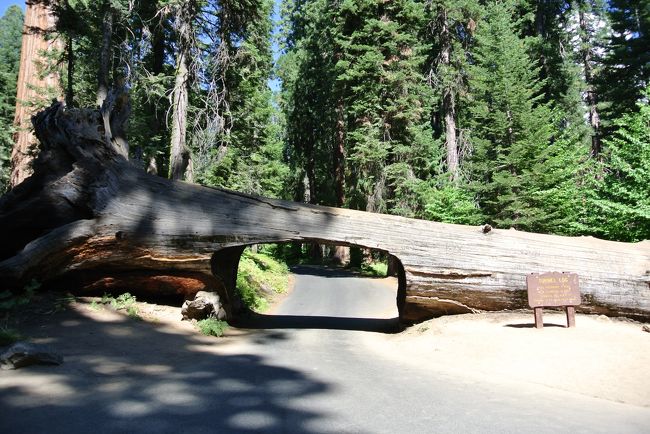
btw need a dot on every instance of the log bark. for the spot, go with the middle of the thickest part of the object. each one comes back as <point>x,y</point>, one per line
<point>90,215</point>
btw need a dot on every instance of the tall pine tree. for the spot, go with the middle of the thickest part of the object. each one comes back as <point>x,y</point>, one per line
<point>511,128</point>
<point>627,63</point>
<point>11,26</point>
<point>624,202</point>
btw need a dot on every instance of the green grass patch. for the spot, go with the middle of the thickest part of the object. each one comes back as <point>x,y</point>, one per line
<point>260,276</point>
<point>372,269</point>
<point>375,269</point>
<point>133,312</point>
<point>10,301</point>
<point>212,327</point>
<point>124,301</point>
<point>62,303</point>
<point>8,336</point>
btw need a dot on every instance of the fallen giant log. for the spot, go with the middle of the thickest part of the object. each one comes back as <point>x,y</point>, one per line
<point>89,216</point>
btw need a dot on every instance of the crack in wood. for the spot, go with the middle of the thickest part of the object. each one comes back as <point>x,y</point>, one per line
<point>447,276</point>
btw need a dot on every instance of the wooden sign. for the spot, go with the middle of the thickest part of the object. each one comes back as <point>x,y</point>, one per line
<point>553,290</point>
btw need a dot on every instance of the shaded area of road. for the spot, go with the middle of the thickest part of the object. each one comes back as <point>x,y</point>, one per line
<point>121,375</point>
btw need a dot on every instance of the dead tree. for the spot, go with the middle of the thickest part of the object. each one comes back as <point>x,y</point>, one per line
<point>90,217</point>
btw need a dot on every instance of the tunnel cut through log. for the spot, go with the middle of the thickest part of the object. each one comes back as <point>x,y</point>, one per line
<point>90,214</point>
<point>225,265</point>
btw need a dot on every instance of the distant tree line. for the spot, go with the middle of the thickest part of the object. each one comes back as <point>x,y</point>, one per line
<point>531,114</point>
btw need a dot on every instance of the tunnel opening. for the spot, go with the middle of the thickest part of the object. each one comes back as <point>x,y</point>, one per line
<point>331,286</point>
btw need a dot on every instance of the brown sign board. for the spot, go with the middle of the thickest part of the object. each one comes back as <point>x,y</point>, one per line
<point>553,289</point>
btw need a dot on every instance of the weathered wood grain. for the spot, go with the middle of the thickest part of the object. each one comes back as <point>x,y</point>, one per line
<point>129,221</point>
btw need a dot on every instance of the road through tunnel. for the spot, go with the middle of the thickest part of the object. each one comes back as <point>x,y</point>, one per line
<point>366,292</point>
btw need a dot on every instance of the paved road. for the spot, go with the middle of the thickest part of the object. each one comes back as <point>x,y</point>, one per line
<point>306,369</point>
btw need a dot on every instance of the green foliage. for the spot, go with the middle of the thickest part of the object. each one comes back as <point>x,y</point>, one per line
<point>212,327</point>
<point>125,301</point>
<point>374,269</point>
<point>368,88</point>
<point>515,168</point>
<point>62,303</point>
<point>10,301</point>
<point>627,61</point>
<point>353,86</point>
<point>8,336</point>
<point>241,148</point>
<point>449,202</point>
<point>259,277</point>
<point>624,202</point>
<point>132,312</point>
<point>11,25</point>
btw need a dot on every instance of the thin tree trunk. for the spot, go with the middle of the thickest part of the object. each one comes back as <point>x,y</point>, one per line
<point>451,142</point>
<point>39,21</point>
<point>69,95</point>
<point>339,154</point>
<point>311,178</point>
<point>449,105</point>
<point>340,254</point>
<point>179,154</point>
<point>591,97</point>
<point>105,55</point>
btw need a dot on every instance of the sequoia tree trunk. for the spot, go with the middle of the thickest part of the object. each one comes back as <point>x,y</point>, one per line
<point>89,216</point>
<point>31,85</point>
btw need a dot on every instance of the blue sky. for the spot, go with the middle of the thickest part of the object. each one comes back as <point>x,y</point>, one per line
<point>4,5</point>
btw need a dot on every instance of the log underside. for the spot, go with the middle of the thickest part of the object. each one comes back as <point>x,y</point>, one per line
<point>89,217</point>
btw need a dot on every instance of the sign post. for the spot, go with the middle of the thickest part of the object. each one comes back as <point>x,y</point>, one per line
<point>553,290</point>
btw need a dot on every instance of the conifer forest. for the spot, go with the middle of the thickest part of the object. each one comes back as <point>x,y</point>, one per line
<point>525,114</point>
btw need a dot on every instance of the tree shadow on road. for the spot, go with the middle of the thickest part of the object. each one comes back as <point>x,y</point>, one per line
<point>121,375</point>
<point>378,325</point>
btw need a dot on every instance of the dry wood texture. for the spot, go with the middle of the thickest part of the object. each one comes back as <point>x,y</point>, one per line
<point>88,214</point>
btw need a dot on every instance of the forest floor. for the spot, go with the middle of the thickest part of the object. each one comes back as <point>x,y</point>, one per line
<point>601,357</point>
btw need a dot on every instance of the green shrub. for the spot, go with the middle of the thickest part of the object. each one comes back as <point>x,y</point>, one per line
<point>62,303</point>
<point>375,269</point>
<point>123,301</point>
<point>132,312</point>
<point>212,327</point>
<point>9,301</point>
<point>259,277</point>
<point>8,336</point>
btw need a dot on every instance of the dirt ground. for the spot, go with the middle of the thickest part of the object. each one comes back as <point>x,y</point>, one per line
<point>601,357</point>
